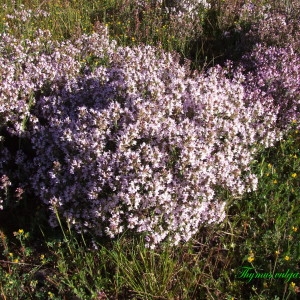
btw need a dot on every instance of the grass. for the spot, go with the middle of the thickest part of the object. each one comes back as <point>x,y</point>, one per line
<point>261,232</point>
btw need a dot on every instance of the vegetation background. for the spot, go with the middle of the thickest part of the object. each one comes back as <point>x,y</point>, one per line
<point>261,229</point>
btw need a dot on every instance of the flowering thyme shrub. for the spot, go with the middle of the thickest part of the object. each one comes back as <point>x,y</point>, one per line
<point>127,138</point>
<point>135,141</point>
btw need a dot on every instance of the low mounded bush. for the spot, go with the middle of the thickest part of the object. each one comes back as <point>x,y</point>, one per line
<point>129,139</point>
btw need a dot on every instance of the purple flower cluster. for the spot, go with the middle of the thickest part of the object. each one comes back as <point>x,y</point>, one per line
<point>128,139</point>
<point>276,29</point>
<point>273,64</point>
<point>4,184</point>
<point>180,8</point>
<point>276,73</point>
<point>185,8</point>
